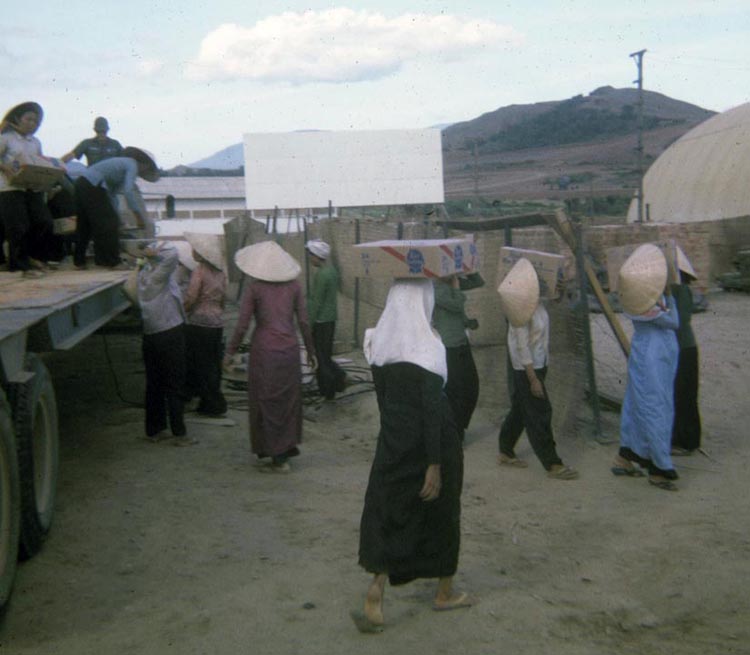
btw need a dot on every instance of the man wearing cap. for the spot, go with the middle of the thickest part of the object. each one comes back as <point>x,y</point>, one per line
<point>322,312</point>
<point>96,191</point>
<point>96,148</point>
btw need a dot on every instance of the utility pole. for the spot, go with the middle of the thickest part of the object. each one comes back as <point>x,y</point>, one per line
<point>639,63</point>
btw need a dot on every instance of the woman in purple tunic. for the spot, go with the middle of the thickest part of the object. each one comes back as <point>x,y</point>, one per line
<point>273,299</point>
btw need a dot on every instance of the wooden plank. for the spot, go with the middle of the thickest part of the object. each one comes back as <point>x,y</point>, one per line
<point>54,289</point>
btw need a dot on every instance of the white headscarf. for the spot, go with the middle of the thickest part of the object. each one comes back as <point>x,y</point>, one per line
<point>403,333</point>
<point>319,248</point>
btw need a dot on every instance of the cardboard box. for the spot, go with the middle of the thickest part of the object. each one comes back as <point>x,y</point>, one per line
<point>617,255</point>
<point>36,174</point>
<point>549,267</point>
<point>64,226</point>
<point>425,258</point>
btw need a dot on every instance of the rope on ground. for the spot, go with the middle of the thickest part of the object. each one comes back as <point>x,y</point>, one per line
<point>356,376</point>
<point>111,367</point>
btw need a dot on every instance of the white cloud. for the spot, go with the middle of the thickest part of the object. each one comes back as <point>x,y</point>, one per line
<point>338,45</point>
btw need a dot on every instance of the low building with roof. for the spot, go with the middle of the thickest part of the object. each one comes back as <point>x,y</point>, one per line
<point>195,197</point>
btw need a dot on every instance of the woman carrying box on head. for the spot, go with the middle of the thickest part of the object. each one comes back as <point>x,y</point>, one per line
<point>410,525</point>
<point>451,323</point>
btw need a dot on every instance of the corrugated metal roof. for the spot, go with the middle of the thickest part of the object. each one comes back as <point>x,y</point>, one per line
<point>703,176</point>
<point>195,187</point>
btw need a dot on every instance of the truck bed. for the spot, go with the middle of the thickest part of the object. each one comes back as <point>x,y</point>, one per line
<point>56,311</point>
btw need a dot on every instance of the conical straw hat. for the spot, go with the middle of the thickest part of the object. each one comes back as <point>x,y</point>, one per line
<point>642,279</point>
<point>683,263</point>
<point>208,246</point>
<point>185,253</point>
<point>267,261</point>
<point>519,293</point>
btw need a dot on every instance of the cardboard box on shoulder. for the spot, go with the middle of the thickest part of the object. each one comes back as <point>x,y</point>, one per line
<point>549,267</point>
<point>617,255</point>
<point>421,258</point>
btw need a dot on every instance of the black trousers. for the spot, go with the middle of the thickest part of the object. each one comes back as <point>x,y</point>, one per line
<point>462,387</point>
<point>164,357</point>
<point>686,430</point>
<point>330,376</point>
<point>535,415</point>
<point>2,241</point>
<point>61,205</point>
<point>28,228</point>
<point>97,220</point>
<point>204,350</point>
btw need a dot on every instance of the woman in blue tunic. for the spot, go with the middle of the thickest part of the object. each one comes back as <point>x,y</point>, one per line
<point>648,408</point>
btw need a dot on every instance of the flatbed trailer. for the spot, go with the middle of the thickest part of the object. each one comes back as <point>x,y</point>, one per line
<point>37,315</point>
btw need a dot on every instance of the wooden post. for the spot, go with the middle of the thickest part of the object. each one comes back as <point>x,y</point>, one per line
<point>583,317</point>
<point>561,224</point>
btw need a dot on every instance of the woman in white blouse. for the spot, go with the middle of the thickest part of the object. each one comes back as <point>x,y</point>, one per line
<point>26,220</point>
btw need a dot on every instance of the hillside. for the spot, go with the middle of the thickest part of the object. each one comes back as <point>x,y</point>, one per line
<point>584,145</point>
<point>605,111</point>
<point>227,159</point>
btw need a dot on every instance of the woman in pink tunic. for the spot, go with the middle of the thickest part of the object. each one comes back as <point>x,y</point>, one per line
<point>274,299</point>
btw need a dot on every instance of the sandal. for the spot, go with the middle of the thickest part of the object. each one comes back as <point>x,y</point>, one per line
<point>622,466</point>
<point>563,473</point>
<point>504,460</point>
<point>364,624</point>
<point>666,485</point>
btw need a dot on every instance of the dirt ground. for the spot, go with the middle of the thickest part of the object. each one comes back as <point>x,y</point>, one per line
<point>157,549</point>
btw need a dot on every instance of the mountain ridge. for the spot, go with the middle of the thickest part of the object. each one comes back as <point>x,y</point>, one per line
<point>522,150</point>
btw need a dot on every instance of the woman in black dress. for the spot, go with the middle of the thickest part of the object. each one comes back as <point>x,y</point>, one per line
<point>411,520</point>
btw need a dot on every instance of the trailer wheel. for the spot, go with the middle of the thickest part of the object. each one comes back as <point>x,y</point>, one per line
<point>37,440</point>
<point>10,502</point>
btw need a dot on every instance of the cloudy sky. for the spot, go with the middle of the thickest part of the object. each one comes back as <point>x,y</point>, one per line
<point>186,78</point>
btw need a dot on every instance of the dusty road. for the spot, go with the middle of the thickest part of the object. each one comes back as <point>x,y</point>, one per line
<point>157,549</point>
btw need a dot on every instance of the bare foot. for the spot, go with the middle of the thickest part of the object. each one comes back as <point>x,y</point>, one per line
<point>453,602</point>
<point>374,601</point>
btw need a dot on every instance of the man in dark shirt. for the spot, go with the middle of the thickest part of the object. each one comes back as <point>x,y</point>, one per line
<point>98,148</point>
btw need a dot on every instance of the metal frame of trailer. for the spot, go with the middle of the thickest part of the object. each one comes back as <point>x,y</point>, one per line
<point>39,315</point>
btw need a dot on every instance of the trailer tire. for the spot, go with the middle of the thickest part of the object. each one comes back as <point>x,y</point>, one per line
<point>37,440</point>
<point>10,502</point>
